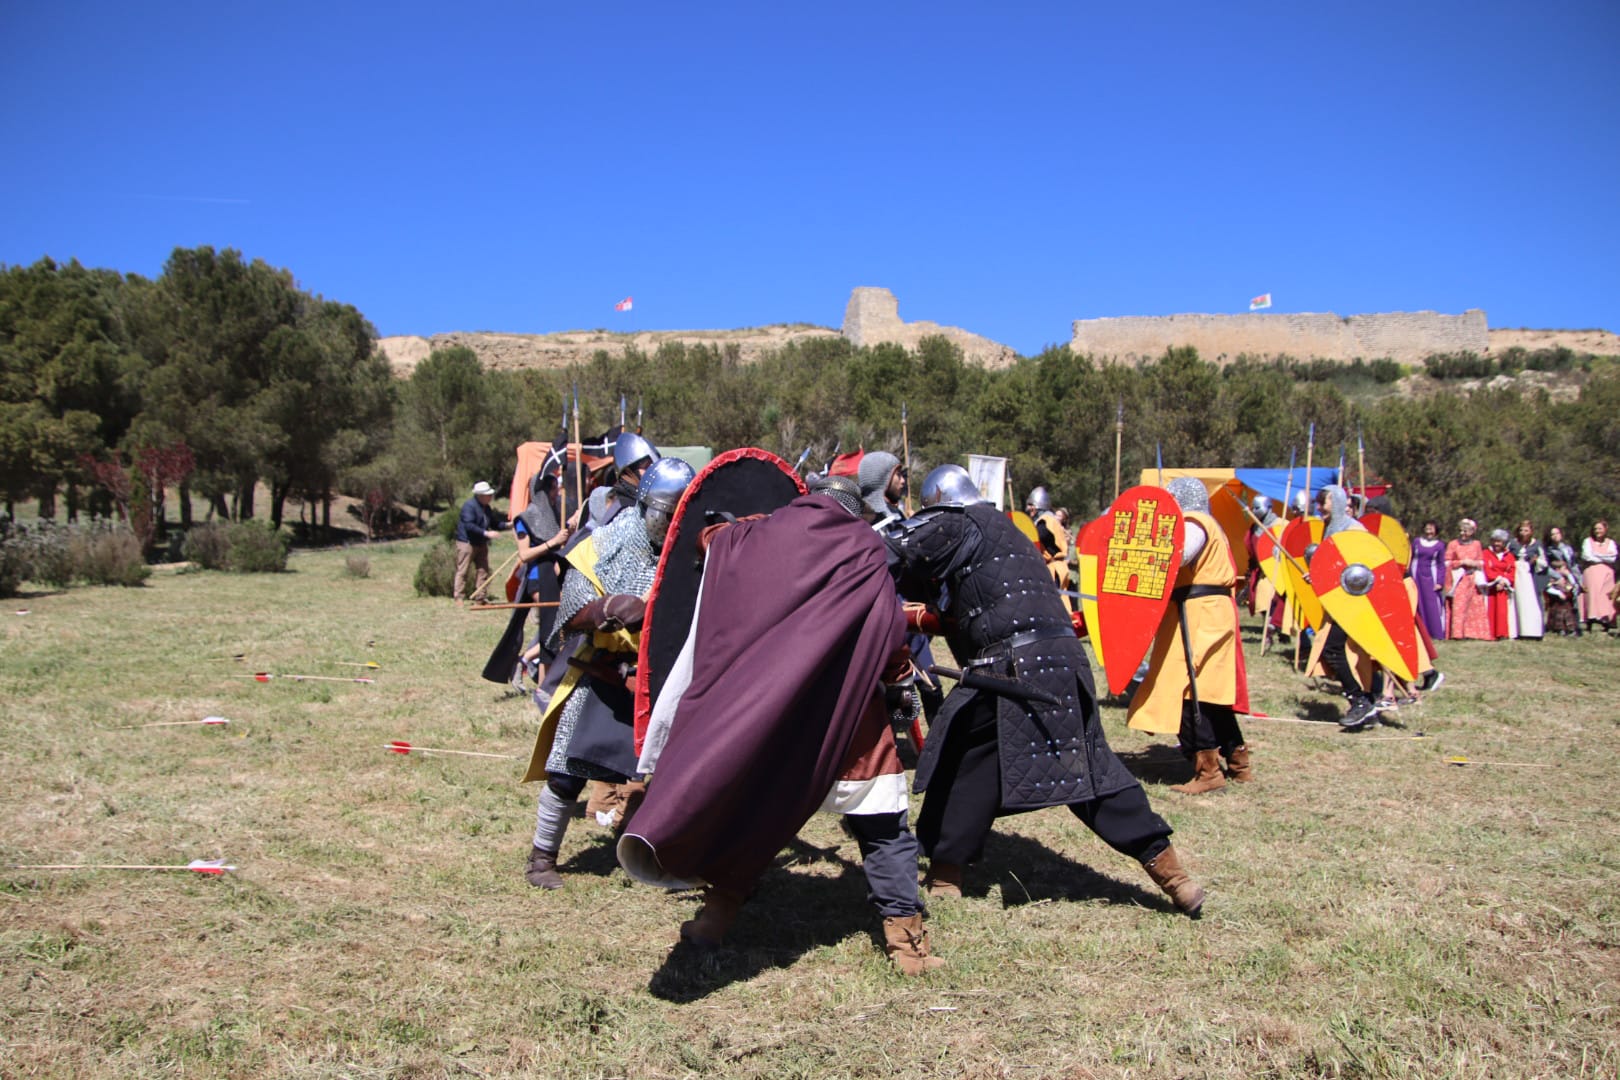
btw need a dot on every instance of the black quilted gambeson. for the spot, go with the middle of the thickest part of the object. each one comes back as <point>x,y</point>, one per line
<point>988,579</point>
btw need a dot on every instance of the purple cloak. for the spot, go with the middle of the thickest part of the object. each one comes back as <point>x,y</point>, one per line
<point>797,619</point>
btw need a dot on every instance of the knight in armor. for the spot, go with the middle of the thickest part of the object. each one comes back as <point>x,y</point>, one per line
<point>1053,536</point>
<point>791,676</point>
<point>632,455</point>
<point>1333,503</point>
<point>1257,587</point>
<point>586,707</point>
<point>883,484</point>
<point>994,753</point>
<point>1196,680</point>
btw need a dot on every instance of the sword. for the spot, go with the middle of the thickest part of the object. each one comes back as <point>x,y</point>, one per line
<point>1009,688</point>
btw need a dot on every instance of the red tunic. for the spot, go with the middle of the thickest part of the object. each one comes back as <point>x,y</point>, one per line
<point>1499,570</point>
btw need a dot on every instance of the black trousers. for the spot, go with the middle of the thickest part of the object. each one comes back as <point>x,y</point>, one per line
<point>1334,659</point>
<point>889,858</point>
<point>964,799</point>
<point>1210,727</point>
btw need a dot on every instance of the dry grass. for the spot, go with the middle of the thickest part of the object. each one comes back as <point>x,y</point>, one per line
<point>1373,911</point>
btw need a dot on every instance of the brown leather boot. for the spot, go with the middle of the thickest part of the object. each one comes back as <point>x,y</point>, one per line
<point>1237,765</point>
<point>542,869</point>
<point>634,792</point>
<point>1166,872</point>
<point>1206,774</point>
<point>906,942</point>
<point>719,911</point>
<point>943,879</point>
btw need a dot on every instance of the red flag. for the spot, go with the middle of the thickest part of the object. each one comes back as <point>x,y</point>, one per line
<point>625,305</point>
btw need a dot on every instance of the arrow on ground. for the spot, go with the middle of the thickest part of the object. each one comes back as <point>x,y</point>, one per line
<point>400,746</point>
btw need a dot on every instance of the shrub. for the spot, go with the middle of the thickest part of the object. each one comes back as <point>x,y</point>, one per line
<point>109,556</point>
<point>256,549</point>
<point>11,564</point>
<point>444,526</point>
<point>47,554</point>
<point>436,573</point>
<point>357,565</point>
<point>207,546</point>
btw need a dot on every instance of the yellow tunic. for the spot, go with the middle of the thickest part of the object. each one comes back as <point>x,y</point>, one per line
<point>1213,627</point>
<point>1057,562</point>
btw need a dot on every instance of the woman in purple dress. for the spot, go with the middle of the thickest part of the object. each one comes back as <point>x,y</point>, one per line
<point>1428,570</point>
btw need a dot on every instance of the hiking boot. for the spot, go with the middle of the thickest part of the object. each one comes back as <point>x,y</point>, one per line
<point>906,942</point>
<point>1206,774</point>
<point>1362,714</point>
<point>943,879</point>
<point>542,869</point>
<point>1238,768</point>
<point>1166,871</point>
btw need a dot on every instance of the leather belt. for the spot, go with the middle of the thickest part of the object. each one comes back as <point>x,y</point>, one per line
<point>1193,592</point>
<point>1028,637</point>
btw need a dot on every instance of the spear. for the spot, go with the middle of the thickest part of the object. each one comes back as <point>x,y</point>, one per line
<point>622,407</point>
<point>638,414</point>
<point>400,746</point>
<point>196,866</point>
<point>1361,465</point>
<point>562,480</point>
<point>905,444</point>
<point>207,721</point>
<point>1460,760</point>
<point>837,446</point>
<point>579,457</point>
<point>1310,448</point>
<point>797,465</point>
<point>1288,501</point>
<point>509,607</point>
<point>1158,453</point>
<point>1119,434</point>
<point>266,676</point>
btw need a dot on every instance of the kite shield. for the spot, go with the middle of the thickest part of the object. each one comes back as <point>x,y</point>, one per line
<point>1391,533</point>
<point>738,483</point>
<point>1137,546</point>
<point>1300,534</point>
<point>1087,555</point>
<point>1362,588</point>
<point>1272,565</point>
<point>1026,525</point>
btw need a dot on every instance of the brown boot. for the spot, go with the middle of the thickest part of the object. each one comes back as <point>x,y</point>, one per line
<point>906,942</point>
<point>1206,774</point>
<point>943,879</point>
<point>719,911</point>
<point>542,869</point>
<point>1237,765</point>
<point>634,792</point>
<point>1166,872</point>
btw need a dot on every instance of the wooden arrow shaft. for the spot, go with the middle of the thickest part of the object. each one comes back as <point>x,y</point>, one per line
<point>436,750</point>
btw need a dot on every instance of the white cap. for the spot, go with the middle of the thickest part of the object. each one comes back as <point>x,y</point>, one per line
<point>483,488</point>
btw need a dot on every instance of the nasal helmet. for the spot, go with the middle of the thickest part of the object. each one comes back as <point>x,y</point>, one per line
<point>950,484</point>
<point>631,449</point>
<point>1039,499</point>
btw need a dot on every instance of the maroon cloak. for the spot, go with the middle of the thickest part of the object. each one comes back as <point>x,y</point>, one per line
<point>797,617</point>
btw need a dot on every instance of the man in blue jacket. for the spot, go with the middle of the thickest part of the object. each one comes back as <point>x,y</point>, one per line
<point>474,531</point>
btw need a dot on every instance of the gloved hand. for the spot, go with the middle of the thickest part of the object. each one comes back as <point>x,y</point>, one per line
<point>618,611</point>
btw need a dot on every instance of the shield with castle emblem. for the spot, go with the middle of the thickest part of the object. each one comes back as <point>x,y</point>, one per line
<point>1137,545</point>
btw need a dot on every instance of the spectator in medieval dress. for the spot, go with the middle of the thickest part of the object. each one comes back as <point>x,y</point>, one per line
<point>1529,575</point>
<point>1598,556</point>
<point>1465,567</point>
<point>1428,570</point>
<point>1499,567</point>
<point>1559,593</point>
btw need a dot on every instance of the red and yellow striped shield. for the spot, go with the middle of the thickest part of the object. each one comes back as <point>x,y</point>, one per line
<point>1300,534</point>
<point>1390,532</point>
<point>1362,588</point>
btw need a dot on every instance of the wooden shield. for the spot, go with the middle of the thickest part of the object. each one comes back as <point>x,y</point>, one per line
<point>1376,615</point>
<point>1137,545</point>
<point>1026,525</point>
<point>1300,534</point>
<point>1086,554</point>
<point>1274,566</point>
<point>1391,533</point>
<point>737,482</point>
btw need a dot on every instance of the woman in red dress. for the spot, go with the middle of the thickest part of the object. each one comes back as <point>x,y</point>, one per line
<point>1499,567</point>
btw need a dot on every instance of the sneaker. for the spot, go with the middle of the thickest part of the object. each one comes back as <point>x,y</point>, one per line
<point>1411,699</point>
<point>1385,704</point>
<point>1362,714</point>
<point>1432,680</point>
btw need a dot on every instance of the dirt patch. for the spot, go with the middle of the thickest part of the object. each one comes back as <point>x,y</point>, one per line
<point>1596,342</point>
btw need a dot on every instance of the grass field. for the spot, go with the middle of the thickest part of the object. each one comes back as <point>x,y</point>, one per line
<point>1372,912</point>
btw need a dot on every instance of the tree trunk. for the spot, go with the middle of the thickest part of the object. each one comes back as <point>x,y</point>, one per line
<point>185,505</point>
<point>326,510</point>
<point>47,503</point>
<point>218,509</point>
<point>244,502</point>
<point>73,502</point>
<point>278,498</point>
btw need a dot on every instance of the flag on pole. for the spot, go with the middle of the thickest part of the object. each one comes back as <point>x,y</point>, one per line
<point>1260,302</point>
<point>626,304</point>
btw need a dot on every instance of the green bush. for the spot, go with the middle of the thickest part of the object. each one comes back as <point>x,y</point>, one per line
<point>436,573</point>
<point>444,526</point>
<point>356,564</point>
<point>47,554</point>
<point>256,549</point>
<point>109,556</point>
<point>11,563</point>
<point>207,545</point>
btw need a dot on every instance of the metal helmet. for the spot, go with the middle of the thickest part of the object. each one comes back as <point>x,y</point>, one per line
<point>1039,499</point>
<point>630,449</point>
<point>1261,505</point>
<point>662,484</point>
<point>950,484</point>
<point>1190,494</point>
<point>841,489</point>
<point>1302,502</point>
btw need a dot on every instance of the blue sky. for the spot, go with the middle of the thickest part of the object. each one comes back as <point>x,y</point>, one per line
<point>1005,168</point>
